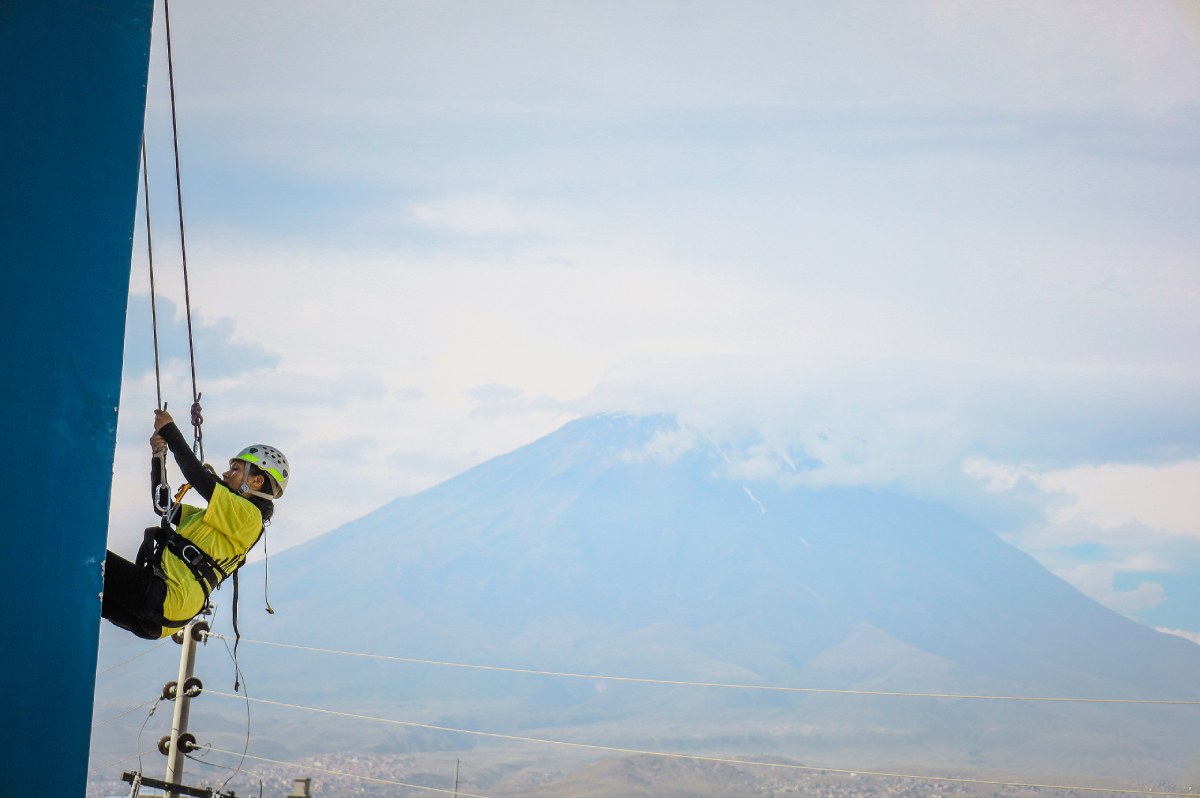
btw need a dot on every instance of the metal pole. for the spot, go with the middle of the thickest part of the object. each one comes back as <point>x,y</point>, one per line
<point>187,665</point>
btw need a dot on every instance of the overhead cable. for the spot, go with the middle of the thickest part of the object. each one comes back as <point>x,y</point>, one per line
<point>719,760</point>
<point>234,771</point>
<point>142,653</point>
<point>722,685</point>
<point>123,714</point>
<point>115,762</point>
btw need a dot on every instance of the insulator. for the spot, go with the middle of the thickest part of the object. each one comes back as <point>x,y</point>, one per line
<point>200,631</point>
<point>178,637</point>
<point>187,744</point>
<point>170,690</point>
<point>193,687</point>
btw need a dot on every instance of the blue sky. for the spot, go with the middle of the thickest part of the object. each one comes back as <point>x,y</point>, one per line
<point>948,248</point>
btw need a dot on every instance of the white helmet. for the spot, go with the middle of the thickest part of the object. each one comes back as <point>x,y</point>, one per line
<point>271,462</point>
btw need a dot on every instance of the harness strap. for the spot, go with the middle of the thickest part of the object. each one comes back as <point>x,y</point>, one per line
<point>206,570</point>
<point>147,555</point>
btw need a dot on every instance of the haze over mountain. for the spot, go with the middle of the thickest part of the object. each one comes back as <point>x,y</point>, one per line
<point>617,545</point>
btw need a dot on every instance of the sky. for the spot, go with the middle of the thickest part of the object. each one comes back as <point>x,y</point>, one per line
<point>946,248</point>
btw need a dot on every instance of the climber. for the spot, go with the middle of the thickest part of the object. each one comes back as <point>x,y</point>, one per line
<point>177,569</point>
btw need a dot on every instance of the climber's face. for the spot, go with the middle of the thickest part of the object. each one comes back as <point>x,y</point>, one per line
<point>236,475</point>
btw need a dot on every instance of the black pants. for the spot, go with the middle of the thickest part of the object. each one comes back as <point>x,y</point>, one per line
<point>133,597</point>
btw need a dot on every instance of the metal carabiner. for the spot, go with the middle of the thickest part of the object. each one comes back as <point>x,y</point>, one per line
<point>190,553</point>
<point>162,491</point>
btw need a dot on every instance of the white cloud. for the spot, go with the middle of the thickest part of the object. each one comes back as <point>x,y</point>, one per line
<point>1159,500</point>
<point>1097,580</point>
<point>1104,528</point>
<point>1113,495</point>
<point>1193,636</point>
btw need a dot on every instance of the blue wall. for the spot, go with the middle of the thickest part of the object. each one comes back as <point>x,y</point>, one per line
<point>72,99</point>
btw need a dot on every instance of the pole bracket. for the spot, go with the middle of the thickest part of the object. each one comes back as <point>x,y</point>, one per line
<point>177,789</point>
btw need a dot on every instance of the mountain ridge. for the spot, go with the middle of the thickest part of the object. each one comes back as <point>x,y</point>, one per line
<point>556,524</point>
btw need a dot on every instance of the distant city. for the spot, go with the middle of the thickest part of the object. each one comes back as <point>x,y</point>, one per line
<point>623,777</point>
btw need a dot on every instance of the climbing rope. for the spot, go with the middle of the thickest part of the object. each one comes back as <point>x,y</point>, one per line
<point>162,493</point>
<point>150,261</point>
<point>197,417</point>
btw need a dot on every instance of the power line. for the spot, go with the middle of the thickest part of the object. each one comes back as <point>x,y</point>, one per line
<point>700,758</point>
<point>233,771</point>
<point>114,763</point>
<point>123,663</point>
<point>726,686</point>
<point>123,714</point>
<point>332,772</point>
<point>141,731</point>
<point>239,678</point>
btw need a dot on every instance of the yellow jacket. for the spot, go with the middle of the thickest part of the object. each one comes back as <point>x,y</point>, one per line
<point>226,530</point>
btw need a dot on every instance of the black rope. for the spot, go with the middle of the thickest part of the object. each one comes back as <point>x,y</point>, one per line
<point>266,562</point>
<point>197,418</point>
<point>150,260</point>
<point>162,493</point>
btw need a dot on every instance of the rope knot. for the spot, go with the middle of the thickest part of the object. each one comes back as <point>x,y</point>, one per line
<point>197,416</point>
<point>198,434</point>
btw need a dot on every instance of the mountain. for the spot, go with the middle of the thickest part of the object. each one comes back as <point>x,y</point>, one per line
<point>618,545</point>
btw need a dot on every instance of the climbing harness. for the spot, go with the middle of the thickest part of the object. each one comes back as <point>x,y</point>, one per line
<point>206,570</point>
<point>163,538</point>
